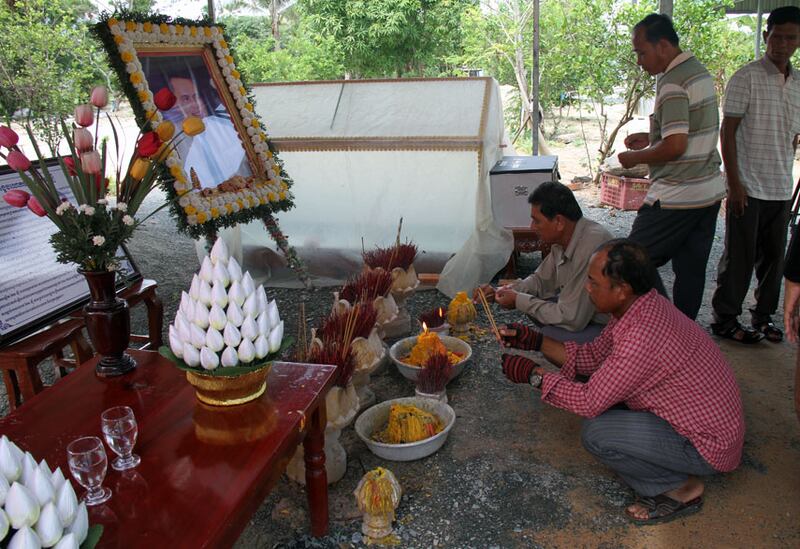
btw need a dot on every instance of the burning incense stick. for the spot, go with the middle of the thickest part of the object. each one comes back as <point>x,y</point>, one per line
<point>486,308</point>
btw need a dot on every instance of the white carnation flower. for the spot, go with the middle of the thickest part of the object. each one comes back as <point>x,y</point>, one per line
<point>127,220</point>
<point>122,206</point>
<point>102,201</point>
<point>63,207</point>
<point>98,240</point>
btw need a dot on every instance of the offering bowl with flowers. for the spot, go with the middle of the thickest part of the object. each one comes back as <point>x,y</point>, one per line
<point>411,353</point>
<point>226,332</point>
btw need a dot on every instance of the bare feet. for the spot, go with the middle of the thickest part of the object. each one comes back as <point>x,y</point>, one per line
<point>693,488</point>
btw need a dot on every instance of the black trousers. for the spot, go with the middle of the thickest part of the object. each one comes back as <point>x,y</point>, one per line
<point>685,237</point>
<point>756,239</point>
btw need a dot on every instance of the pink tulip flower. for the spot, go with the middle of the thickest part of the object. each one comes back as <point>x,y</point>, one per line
<point>99,96</point>
<point>83,139</point>
<point>84,115</point>
<point>35,207</point>
<point>18,161</point>
<point>16,198</point>
<point>8,137</point>
<point>91,163</point>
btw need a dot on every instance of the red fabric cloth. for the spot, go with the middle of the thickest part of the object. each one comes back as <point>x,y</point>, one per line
<point>657,360</point>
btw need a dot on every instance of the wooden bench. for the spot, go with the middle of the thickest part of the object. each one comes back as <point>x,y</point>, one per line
<point>19,361</point>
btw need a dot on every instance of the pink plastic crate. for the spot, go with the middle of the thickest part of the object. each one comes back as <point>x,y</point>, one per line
<point>624,193</point>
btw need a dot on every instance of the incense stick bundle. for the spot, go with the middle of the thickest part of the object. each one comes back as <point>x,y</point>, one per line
<point>367,286</point>
<point>434,376</point>
<point>486,308</point>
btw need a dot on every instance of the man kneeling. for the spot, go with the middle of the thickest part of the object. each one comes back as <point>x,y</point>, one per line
<point>662,404</point>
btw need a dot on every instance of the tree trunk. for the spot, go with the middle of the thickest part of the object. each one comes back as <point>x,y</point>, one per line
<point>274,17</point>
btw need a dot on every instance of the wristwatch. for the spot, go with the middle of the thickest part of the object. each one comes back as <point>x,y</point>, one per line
<point>535,380</point>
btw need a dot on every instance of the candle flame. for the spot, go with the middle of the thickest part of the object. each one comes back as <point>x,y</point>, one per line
<point>424,328</point>
<point>441,312</point>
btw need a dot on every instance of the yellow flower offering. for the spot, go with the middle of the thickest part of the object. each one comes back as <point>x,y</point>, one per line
<point>165,130</point>
<point>429,344</point>
<point>460,313</point>
<point>139,168</point>
<point>193,126</point>
<point>408,424</point>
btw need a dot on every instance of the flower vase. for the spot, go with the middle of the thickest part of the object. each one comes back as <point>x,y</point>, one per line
<point>342,406</point>
<point>108,321</point>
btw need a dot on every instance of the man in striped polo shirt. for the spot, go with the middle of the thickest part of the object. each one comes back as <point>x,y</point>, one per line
<point>679,216</point>
<point>759,129</point>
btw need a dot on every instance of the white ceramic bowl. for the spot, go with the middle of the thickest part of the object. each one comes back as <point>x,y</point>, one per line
<point>375,418</point>
<point>403,347</point>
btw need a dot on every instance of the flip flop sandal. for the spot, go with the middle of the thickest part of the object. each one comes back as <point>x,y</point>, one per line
<point>770,331</point>
<point>737,332</point>
<point>663,508</point>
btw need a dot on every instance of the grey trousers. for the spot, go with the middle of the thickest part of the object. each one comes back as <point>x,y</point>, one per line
<point>649,455</point>
<point>586,335</point>
<point>755,239</point>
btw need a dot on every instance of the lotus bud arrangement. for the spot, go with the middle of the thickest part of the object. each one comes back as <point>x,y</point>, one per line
<point>38,507</point>
<point>224,320</point>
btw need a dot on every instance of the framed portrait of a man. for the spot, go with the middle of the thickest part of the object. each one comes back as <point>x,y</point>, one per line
<point>226,174</point>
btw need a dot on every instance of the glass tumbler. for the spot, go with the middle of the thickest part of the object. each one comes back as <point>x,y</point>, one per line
<point>88,464</point>
<point>120,431</point>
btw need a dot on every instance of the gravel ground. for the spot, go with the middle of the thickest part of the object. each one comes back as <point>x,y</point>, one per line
<point>484,488</point>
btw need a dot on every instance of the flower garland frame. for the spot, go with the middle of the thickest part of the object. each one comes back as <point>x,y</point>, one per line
<point>198,212</point>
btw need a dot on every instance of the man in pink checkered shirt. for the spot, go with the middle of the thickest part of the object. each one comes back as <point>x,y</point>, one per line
<point>662,404</point>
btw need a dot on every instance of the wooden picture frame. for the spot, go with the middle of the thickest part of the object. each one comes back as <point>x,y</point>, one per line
<point>193,60</point>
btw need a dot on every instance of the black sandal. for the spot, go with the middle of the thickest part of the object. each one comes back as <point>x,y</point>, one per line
<point>769,330</point>
<point>737,332</point>
<point>663,508</point>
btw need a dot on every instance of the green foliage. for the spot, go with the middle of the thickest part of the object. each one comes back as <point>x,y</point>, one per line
<point>254,27</point>
<point>47,63</point>
<point>392,37</point>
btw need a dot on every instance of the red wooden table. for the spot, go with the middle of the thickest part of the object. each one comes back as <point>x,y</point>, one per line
<point>204,470</point>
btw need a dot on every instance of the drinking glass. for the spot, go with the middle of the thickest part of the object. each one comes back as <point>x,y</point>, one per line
<point>120,431</point>
<point>88,464</point>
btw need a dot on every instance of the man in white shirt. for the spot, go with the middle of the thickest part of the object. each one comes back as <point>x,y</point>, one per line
<point>761,121</point>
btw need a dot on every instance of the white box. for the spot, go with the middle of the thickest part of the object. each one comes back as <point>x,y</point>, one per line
<point>512,180</point>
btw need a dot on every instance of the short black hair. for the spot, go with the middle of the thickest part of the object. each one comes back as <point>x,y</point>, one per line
<point>628,262</point>
<point>785,14</point>
<point>656,27</point>
<point>554,199</point>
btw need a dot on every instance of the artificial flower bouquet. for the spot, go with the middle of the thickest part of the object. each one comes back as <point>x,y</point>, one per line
<point>91,230</point>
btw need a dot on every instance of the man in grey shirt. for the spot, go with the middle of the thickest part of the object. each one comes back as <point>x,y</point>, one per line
<point>554,296</point>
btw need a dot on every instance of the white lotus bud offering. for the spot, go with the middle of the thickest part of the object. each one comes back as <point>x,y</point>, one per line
<point>249,329</point>
<point>204,295</point>
<point>231,336</point>
<point>58,480</point>
<point>66,504</point>
<point>262,322</point>
<point>191,356</point>
<point>29,467</point>
<point>49,528</point>
<point>194,289</point>
<point>21,506</point>
<point>208,359</point>
<point>234,270</point>
<point>248,285</point>
<point>230,357</point>
<point>198,337</point>
<point>246,351</point>
<point>42,488</point>
<point>186,302</point>
<point>4,486</point>
<point>45,469</point>
<point>216,317</point>
<point>235,315</point>
<point>25,539</point>
<point>80,526</point>
<point>214,340</point>
<point>67,542</point>
<point>261,298</point>
<point>219,252</point>
<point>10,465</point>
<point>175,342</point>
<point>236,293</point>
<point>221,274</point>
<point>272,311</point>
<point>4,524</point>
<point>184,329</point>
<point>219,296</point>
<point>250,307</point>
<point>207,270</point>
<point>262,346</point>
<point>200,316</point>
<point>275,337</point>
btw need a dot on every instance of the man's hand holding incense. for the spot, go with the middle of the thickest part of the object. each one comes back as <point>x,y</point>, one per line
<point>518,369</point>
<point>519,336</point>
<point>488,293</point>
<point>506,297</point>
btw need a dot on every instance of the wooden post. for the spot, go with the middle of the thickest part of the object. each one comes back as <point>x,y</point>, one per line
<point>316,477</point>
